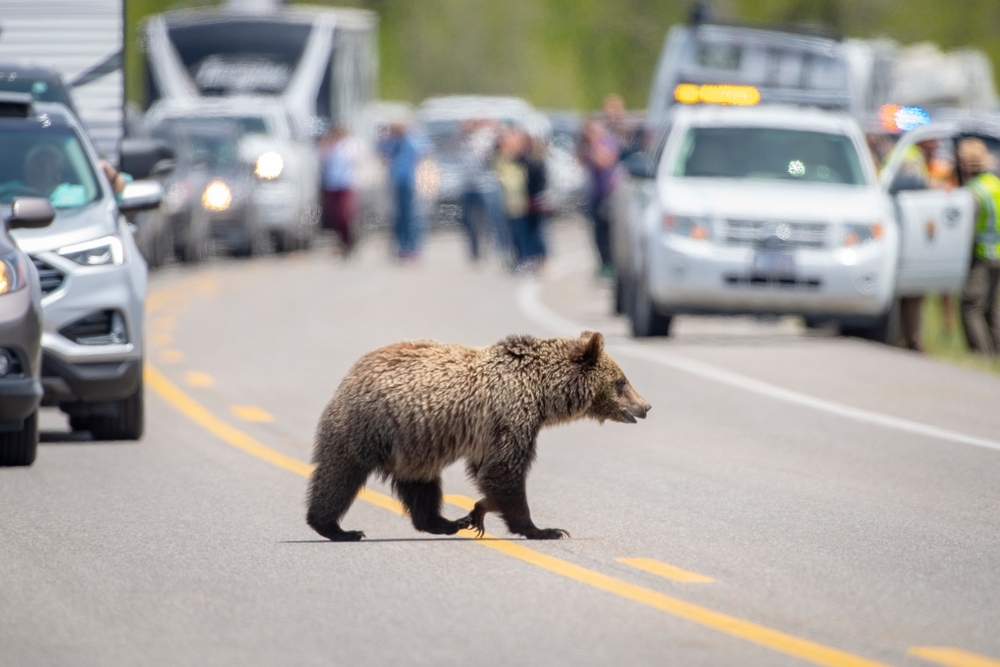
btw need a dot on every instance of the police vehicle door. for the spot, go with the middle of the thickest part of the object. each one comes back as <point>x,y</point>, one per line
<point>935,225</point>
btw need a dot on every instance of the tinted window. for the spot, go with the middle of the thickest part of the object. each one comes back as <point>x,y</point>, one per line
<point>45,161</point>
<point>769,154</point>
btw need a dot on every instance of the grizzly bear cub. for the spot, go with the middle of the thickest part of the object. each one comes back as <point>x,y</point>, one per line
<point>406,411</point>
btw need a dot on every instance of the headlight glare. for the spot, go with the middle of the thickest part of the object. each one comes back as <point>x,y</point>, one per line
<point>269,166</point>
<point>217,196</point>
<point>684,225</point>
<point>13,273</point>
<point>99,252</point>
<point>862,234</point>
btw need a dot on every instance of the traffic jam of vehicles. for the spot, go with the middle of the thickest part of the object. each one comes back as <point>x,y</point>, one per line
<point>772,174</point>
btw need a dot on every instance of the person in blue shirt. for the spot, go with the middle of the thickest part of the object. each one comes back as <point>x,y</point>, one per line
<point>403,150</point>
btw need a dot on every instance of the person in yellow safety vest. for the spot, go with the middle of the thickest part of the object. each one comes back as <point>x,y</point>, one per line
<point>917,161</point>
<point>980,310</point>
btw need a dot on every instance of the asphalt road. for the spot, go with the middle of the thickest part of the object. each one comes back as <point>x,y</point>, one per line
<point>794,498</point>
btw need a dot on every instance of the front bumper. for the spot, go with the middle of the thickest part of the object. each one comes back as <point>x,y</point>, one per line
<point>95,382</point>
<point>73,372</point>
<point>278,204</point>
<point>689,276</point>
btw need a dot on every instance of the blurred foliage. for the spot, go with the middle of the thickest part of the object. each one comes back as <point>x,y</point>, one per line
<point>570,53</point>
<point>941,335</point>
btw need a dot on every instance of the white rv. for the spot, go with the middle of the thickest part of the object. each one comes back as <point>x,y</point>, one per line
<point>320,62</point>
<point>82,41</point>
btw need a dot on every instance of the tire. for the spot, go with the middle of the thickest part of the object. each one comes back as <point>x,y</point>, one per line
<point>885,329</point>
<point>646,322</point>
<point>77,423</point>
<point>128,424</point>
<point>197,244</point>
<point>18,448</point>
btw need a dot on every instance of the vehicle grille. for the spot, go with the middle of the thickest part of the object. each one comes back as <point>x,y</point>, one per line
<point>50,277</point>
<point>791,234</point>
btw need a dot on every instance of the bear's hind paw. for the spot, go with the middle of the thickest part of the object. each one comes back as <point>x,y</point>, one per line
<point>472,522</point>
<point>546,534</point>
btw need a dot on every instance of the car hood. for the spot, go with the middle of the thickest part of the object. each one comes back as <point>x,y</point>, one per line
<point>70,226</point>
<point>744,199</point>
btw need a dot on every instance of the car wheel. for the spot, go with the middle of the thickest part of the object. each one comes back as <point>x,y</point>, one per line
<point>128,424</point>
<point>646,321</point>
<point>197,244</point>
<point>884,329</point>
<point>78,423</point>
<point>18,448</point>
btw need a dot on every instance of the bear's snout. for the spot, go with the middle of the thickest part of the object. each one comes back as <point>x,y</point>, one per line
<point>635,405</point>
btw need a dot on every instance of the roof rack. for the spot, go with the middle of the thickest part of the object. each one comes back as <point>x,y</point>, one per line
<point>703,17</point>
<point>16,105</point>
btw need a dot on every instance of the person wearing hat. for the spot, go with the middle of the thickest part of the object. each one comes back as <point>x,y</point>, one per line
<point>980,310</point>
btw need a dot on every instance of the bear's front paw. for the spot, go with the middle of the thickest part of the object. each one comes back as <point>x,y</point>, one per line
<point>546,534</point>
<point>473,521</point>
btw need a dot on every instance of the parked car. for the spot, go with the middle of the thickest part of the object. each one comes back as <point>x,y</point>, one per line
<point>20,334</point>
<point>285,192</point>
<point>92,276</point>
<point>210,193</point>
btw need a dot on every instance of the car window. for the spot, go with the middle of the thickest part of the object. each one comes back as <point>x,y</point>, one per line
<point>769,154</point>
<point>42,160</point>
<point>246,124</point>
<point>41,90</point>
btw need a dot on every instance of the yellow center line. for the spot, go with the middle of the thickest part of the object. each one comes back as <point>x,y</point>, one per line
<point>666,571</point>
<point>252,413</point>
<point>199,379</point>
<point>736,627</point>
<point>953,657</point>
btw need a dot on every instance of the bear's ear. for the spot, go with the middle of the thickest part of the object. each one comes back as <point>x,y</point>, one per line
<point>592,348</point>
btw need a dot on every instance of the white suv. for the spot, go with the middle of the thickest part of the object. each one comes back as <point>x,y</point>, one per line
<point>93,278</point>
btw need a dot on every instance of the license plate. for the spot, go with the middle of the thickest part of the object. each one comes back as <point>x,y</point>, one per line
<point>774,265</point>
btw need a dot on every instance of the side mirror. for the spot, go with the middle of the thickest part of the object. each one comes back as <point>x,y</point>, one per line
<point>146,158</point>
<point>640,165</point>
<point>30,213</point>
<point>906,182</point>
<point>140,196</point>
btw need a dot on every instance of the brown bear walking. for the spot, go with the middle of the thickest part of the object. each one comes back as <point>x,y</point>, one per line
<point>406,411</point>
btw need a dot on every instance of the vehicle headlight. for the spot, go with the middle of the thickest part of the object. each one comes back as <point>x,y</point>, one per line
<point>217,196</point>
<point>861,234</point>
<point>13,273</point>
<point>99,252</point>
<point>684,225</point>
<point>269,166</point>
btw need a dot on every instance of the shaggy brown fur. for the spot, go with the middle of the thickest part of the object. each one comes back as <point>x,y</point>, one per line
<point>408,410</point>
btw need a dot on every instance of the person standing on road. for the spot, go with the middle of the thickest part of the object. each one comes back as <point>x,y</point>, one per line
<point>598,152</point>
<point>513,176</point>
<point>980,295</point>
<point>533,252</point>
<point>340,154</point>
<point>403,151</point>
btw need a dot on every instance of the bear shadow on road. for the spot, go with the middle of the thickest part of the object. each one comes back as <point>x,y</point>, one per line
<point>449,538</point>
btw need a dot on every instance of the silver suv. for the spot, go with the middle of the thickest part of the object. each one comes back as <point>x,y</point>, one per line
<point>93,279</point>
<point>20,336</point>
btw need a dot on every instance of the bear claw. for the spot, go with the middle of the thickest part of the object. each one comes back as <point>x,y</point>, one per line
<point>547,534</point>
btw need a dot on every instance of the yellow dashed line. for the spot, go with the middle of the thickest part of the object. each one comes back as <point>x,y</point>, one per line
<point>252,413</point>
<point>171,356</point>
<point>159,339</point>
<point>667,571</point>
<point>953,657</point>
<point>199,379</point>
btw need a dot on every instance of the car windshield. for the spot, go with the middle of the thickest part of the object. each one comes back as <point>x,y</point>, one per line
<point>44,160</point>
<point>245,124</point>
<point>769,154</point>
<point>212,143</point>
<point>42,90</point>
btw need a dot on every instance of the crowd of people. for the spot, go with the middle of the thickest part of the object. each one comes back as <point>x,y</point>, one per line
<point>505,180</point>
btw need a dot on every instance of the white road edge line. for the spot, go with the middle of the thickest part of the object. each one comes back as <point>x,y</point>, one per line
<point>529,301</point>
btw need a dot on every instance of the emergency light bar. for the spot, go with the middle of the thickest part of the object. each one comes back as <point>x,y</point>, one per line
<point>689,93</point>
<point>896,118</point>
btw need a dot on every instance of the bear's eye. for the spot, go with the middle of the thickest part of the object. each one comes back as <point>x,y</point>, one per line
<point>621,384</point>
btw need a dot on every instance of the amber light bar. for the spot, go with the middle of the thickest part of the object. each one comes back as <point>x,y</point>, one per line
<point>689,93</point>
